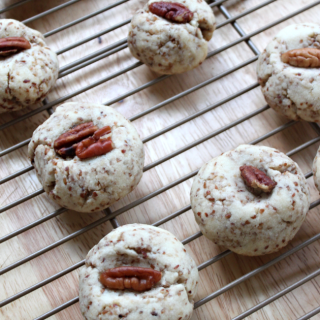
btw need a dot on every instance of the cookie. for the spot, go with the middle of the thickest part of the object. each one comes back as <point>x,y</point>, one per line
<point>171,37</point>
<point>87,156</point>
<point>316,170</point>
<point>28,68</point>
<point>251,200</point>
<point>288,74</point>
<point>129,248</point>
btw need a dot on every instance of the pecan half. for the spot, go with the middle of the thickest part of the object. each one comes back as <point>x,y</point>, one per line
<point>257,180</point>
<point>75,134</point>
<point>303,58</point>
<point>135,278</point>
<point>175,12</point>
<point>11,45</point>
<point>85,140</point>
<point>91,147</point>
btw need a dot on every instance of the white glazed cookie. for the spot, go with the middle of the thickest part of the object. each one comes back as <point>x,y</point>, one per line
<point>168,47</point>
<point>95,183</point>
<point>26,76</point>
<point>139,245</point>
<point>232,216</point>
<point>290,90</point>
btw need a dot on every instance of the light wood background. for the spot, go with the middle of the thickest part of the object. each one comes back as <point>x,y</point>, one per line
<point>233,302</point>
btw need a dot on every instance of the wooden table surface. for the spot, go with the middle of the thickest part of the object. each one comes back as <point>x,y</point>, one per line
<point>217,275</point>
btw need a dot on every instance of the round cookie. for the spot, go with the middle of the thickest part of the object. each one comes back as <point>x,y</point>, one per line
<point>291,90</point>
<point>168,47</point>
<point>93,183</point>
<point>138,245</point>
<point>232,214</point>
<point>25,76</point>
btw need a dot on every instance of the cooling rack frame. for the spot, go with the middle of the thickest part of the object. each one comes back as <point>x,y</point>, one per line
<point>112,216</point>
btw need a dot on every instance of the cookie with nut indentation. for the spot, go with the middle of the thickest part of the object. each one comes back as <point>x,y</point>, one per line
<point>251,200</point>
<point>171,36</point>
<point>121,253</point>
<point>28,67</point>
<point>87,156</point>
<point>288,72</point>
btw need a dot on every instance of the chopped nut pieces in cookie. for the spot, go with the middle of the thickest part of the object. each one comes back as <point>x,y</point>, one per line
<point>85,141</point>
<point>302,58</point>
<point>288,72</point>
<point>175,12</point>
<point>71,134</point>
<point>170,37</point>
<point>28,67</point>
<point>135,278</point>
<point>138,272</point>
<point>257,180</point>
<point>11,45</point>
<point>231,215</point>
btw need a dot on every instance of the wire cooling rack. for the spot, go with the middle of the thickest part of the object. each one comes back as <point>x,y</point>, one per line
<point>111,215</point>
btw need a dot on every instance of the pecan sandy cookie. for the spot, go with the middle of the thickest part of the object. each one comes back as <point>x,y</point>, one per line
<point>28,68</point>
<point>87,156</point>
<point>316,170</point>
<point>171,36</point>
<point>138,272</point>
<point>288,72</point>
<point>251,200</point>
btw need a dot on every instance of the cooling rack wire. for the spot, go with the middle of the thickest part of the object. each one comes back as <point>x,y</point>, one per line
<point>112,215</point>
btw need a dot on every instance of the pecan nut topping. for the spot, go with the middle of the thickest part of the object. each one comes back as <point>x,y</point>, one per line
<point>75,134</point>
<point>257,180</point>
<point>303,58</point>
<point>85,141</point>
<point>135,278</point>
<point>175,12</point>
<point>95,145</point>
<point>11,45</point>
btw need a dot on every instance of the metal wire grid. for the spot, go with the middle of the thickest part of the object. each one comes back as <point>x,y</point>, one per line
<point>111,216</point>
